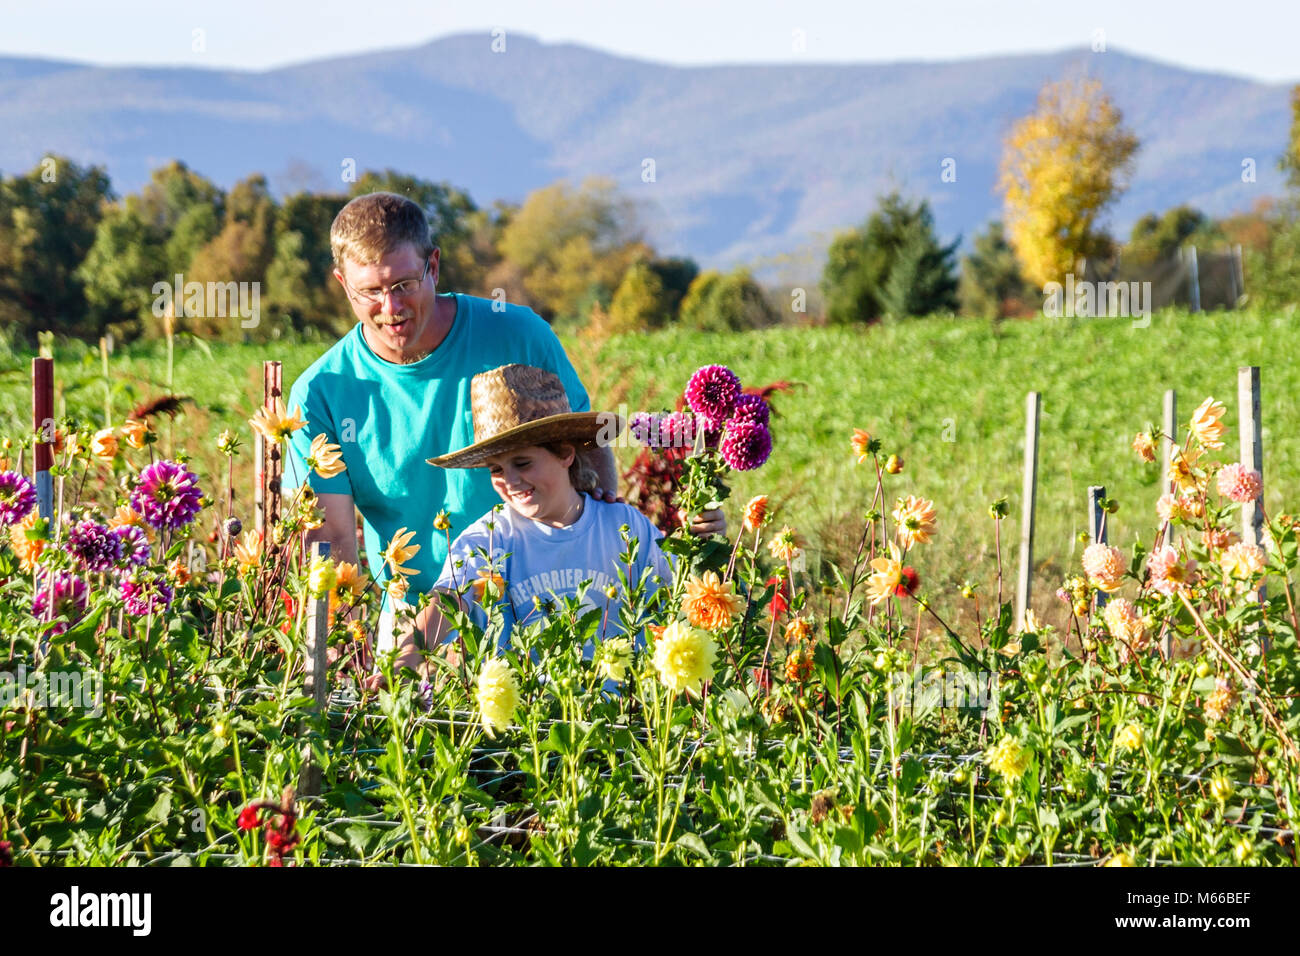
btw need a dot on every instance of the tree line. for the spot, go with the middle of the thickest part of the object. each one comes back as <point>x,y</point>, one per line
<point>78,260</point>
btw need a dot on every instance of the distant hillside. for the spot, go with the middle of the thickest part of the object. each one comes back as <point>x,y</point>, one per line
<point>749,161</point>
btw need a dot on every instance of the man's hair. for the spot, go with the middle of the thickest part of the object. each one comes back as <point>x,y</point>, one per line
<point>371,226</point>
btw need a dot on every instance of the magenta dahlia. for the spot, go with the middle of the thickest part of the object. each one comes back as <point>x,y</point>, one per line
<point>94,545</point>
<point>70,598</point>
<point>712,393</point>
<point>1239,483</point>
<point>135,545</point>
<point>752,408</point>
<point>143,595</point>
<point>17,498</point>
<point>168,495</point>
<point>745,445</point>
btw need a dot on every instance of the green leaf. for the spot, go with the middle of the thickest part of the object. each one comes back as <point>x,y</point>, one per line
<point>692,842</point>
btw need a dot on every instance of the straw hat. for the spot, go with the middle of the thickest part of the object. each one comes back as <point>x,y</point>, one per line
<point>519,405</point>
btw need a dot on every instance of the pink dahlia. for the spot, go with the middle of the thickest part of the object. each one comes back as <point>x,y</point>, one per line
<point>168,495</point>
<point>94,545</point>
<point>1168,575</point>
<point>712,393</point>
<point>135,546</point>
<point>1239,483</point>
<point>143,595</point>
<point>751,408</point>
<point>17,498</point>
<point>1104,566</point>
<point>746,445</point>
<point>70,598</point>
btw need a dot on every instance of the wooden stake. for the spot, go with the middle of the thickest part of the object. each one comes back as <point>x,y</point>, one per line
<point>1170,442</point>
<point>1252,456</point>
<point>43,425</point>
<point>1097,529</point>
<point>267,457</point>
<point>1024,585</point>
<point>316,683</point>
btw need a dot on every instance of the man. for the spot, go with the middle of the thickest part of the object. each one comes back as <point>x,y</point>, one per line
<point>395,391</point>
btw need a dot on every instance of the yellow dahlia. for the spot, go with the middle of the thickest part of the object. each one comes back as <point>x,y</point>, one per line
<point>684,657</point>
<point>613,658</point>
<point>784,546</point>
<point>1206,425</point>
<point>399,551</point>
<point>248,550</point>
<point>709,603</point>
<point>1124,622</point>
<point>498,695</point>
<point>325,458</point>
<point>886,573</point>
<point>915,518</point>
<point>1242,561</point>
<point>321,577</point>
<point>274,424</point>
<point>1130,738</point>
<point>1008,758</point>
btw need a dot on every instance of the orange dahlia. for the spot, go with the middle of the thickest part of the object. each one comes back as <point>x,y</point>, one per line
<point>709,603</point>
<point>755,513</point>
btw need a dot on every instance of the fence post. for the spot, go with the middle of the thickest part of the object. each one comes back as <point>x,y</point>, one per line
<point>1250,432</point>
<point>316,683</point>
<point>43,424</point>
<point>1024,583</point>
<point>1097,530</point>
<point>1195,276</point>
<point>267,458</point>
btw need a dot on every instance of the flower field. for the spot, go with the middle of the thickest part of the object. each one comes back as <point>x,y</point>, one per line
<point>874,702</point>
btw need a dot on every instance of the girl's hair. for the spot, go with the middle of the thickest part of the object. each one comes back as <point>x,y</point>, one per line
<point>581,477</point>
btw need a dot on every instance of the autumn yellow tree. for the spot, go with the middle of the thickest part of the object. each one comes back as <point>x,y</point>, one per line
<point>1061,167</point>
<point>569,245</point>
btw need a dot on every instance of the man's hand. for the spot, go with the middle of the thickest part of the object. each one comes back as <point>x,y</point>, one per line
<point>705,523</point>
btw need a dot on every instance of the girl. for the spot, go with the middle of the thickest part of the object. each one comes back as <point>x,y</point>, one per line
<point>550,537</point>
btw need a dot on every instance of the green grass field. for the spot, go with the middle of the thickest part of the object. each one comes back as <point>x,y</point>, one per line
<point>912,384</point>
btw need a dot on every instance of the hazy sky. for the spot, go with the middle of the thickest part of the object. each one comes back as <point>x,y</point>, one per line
<point>1255,38</point>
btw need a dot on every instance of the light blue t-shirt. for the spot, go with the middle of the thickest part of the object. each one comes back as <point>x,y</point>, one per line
<point>538,561</point>
<point>388,419</point>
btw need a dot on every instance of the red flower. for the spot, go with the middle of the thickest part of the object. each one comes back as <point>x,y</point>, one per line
<point>781,599</point>
<point>908,582</point>
<point>763,677</point>
<point>290,610</point>
<point>6,853</point>
<point>249,818</point>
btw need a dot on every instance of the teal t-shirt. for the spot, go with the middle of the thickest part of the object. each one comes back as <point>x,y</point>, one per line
<point>388,419</point>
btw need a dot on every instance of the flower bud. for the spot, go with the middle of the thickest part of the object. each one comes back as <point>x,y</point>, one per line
<point>232,526</point>
<point>894,465</point>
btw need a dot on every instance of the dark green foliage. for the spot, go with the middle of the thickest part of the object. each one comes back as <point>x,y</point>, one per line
<point>893,265</point>
<point>992,285</point>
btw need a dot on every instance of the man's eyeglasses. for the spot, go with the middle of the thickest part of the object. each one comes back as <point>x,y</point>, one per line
<point>404,288</point>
